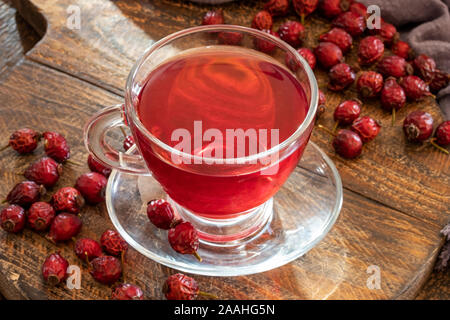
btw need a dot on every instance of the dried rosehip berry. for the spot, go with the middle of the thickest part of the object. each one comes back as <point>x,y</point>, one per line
<point>92,186</point>
<point>180,287</point>
<point>96,166</point>
<point>128,142</point>
<point>277,7</point>
<point>414,87</point>
<point>369,84</point>
<point>64,227</point>
<point>24,140</point>
<point>333,8</point>
<point>265,45</point>
<point>54,269</point>
<point>56,146</point>
<point>351,22</point>
<point>292,32</point>
<point>387,32</point>
<point>371,49</point>
<point>262,21</point>
<point>339,37</point>
<point>347,112</point>
<point>328,54</point>
<point>305,7</point>
<point>392,96</point>
<point>40,216</point>
<point>113,243</point>
<point>127,291</point>
<point>309,56</point>
<point>213,17</point>
<point>44,171</point>
<point>341,76</point>
<point>367,128</point>
<point>161,214</point>
<point>25,193</point>
<point>424,67</point>
<point>106,269</point>
<point>418,126</point>
<point>359,8</point>
<point>402,49</point>
<point>68,199</point>
<point>443,134</point>
<point>321,106</point>
<point>440,81</point>
<point>12,218</point>
<point>394,66</point>
<point>184,239</point>
<point>230,38</point>
<point>87,249</point>
<point>347,144</point>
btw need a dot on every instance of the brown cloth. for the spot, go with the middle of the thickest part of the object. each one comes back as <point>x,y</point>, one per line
<point>425,25</point>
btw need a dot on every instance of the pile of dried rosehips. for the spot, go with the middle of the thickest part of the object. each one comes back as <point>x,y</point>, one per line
<point>398,77</point>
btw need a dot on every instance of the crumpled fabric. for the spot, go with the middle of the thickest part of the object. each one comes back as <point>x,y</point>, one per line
<point>425,25</point>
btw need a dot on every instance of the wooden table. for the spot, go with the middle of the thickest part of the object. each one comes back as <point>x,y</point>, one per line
<point>396,196</point>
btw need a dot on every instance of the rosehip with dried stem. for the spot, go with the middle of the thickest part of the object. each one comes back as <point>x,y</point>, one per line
<point>370,50</point>
<point>402,49</point>
<point>92,186</point>
<point>414,87</point>
<point>277,7</point>
<point>113,243</point>
<point>87,249</point>
<point>387,32</point>
<point>292,32</point>
<point>25,193</point>
<point>393,97</point>
<point>40,216</point>
<point>23,141</point>
<point>321,105</point>
<point>367,128</point>
<point>96,166</point>
<point>68,199</point>
<point>161,214</point>
<point>265,45</point>
<point>440,81</point>
<point>44,171</point>
<point>64,227</point>
<point>328,54</point>
<point>339,37</point>
<point>262,21</point>
<point>54,269</point>
<point>333,8</point>
<point>369,84</point>
<point>351,22</point>
<point>341,76</point>
<point>424,67</point>
<point>128,142</point>
<point>12,218</point>
<point>106,269</point>
<point>127,291</point>
<point>56,146</point>
<point>304,8</point>
<point>184,239</point>
<point>347,144</point>
<point>394,66</point>
<point>418,126</point>
<point>442,136</point>
<point>347,112</point>
<point>181,287</point>
<point>213,17</point>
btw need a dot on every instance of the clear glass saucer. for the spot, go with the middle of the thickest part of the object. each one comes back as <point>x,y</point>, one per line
<point>304,210</point>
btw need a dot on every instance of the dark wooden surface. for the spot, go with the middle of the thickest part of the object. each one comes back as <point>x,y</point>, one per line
<point>396,198</point>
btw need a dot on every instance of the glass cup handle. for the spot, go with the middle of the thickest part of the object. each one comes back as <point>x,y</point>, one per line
<point>95,141</point>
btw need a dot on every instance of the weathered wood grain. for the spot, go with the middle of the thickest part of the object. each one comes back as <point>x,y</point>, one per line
<point>437,287</point>
<point>114,33</point>
<point>367,233</point>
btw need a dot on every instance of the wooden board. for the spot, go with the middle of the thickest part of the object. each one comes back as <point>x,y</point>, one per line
<point>401,238</point>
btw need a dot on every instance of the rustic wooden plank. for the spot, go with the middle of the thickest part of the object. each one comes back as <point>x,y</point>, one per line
<point>437,287</point>
<point>367,233</point>
<point>114,33</point>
